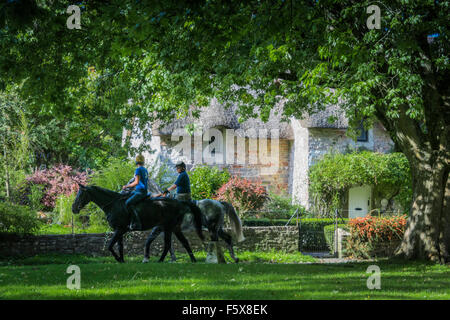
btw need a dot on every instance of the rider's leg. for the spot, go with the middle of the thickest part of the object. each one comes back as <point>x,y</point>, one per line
<point>130,205</point>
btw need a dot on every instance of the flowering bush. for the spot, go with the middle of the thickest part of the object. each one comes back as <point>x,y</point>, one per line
<point>243,194</point>
<point>372,236</point>
<point>59,180</point>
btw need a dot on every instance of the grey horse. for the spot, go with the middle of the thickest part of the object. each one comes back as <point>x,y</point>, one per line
<point>213,212</point>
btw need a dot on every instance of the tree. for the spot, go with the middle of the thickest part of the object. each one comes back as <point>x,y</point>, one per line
<point>170,54</point>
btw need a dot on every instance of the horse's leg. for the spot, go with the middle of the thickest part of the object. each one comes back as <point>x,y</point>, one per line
<point>112,242</point>
<point>167,240</point>
<point>153,235</point>
<point>214,245</point>
<point>120,245</point>
<point>185,244</point>
<point>173,258</point>
<point>227,238</point>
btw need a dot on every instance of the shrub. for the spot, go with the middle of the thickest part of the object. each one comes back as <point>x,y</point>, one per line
<point>243,194</point>
<point>18,219</point>
<point>205,181</point>
<point>279,207</point>
<point>375,236</point>
<point>61,179</point>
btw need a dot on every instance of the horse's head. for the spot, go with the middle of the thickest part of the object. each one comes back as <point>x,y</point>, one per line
<point>81,200</point>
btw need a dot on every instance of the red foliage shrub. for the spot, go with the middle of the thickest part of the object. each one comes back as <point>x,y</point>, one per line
<point>375,236</point>
<point>61,179</point>
<point>378,228</point>
<point>243,194</point>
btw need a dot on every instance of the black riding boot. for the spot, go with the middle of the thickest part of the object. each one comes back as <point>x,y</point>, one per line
<point>135,221</point>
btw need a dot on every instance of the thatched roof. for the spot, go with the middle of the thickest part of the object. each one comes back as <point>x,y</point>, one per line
<point>320,119</point>
<point>216,115</point>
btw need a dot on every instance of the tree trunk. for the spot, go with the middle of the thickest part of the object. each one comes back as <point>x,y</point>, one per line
<point>427,234</point>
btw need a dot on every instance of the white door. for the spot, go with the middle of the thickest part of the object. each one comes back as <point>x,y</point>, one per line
<point>359,201</point>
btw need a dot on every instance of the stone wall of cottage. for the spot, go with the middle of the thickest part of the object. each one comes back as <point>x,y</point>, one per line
<point>272,171</point>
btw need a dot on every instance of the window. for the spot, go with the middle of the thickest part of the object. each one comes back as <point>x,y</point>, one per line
<point>364,134</point>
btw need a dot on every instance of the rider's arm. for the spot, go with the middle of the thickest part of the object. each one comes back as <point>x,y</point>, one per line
<point>174,186</point>
<point>133,184</point>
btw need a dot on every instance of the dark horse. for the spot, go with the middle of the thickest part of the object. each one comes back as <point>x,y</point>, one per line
<point>166,213</point>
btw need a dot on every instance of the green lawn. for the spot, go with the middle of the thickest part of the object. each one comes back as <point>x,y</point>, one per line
<point>259,276</point>
<point>60,229</point>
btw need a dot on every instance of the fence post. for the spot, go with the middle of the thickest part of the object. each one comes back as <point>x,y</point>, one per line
<point>299,225</point>
<point>336,233</point>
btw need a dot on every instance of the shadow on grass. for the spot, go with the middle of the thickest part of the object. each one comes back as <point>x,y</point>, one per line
<point>102,278</point>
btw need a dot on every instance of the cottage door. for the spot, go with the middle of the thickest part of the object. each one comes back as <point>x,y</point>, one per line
<point>359,201</point>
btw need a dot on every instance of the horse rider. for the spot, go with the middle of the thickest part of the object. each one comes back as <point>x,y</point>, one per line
<point>182,184</point>
<point>140,182</point>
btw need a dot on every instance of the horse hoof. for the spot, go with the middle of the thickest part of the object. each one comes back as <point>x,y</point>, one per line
<point>145,260</point>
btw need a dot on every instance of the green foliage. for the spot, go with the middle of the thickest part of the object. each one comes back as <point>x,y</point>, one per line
<point>333,175</point>
<point>18,219</point>
<point>115,174</point>
<point>37,192</point>
<point>206,180</point>
<point>63,209</point>
<point>162,174</point>
<point>279,207</point>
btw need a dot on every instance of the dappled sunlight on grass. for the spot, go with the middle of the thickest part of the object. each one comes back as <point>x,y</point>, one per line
<point>44,277</point>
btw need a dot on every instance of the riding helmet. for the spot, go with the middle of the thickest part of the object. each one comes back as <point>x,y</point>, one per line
<point>181,164</point>
<point>140,159</point>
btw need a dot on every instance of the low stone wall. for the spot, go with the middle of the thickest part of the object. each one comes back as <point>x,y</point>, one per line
<point>257,238</point>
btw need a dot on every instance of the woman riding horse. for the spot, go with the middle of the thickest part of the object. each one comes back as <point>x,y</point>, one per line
<point>166,213</point>
<point>139,193</point>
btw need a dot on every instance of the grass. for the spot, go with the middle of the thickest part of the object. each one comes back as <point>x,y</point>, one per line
<point>256,277</point>
<point>60,229</point>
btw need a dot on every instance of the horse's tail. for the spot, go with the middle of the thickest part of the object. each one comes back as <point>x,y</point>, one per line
<point>197,219</point>
<point>236,224</point>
